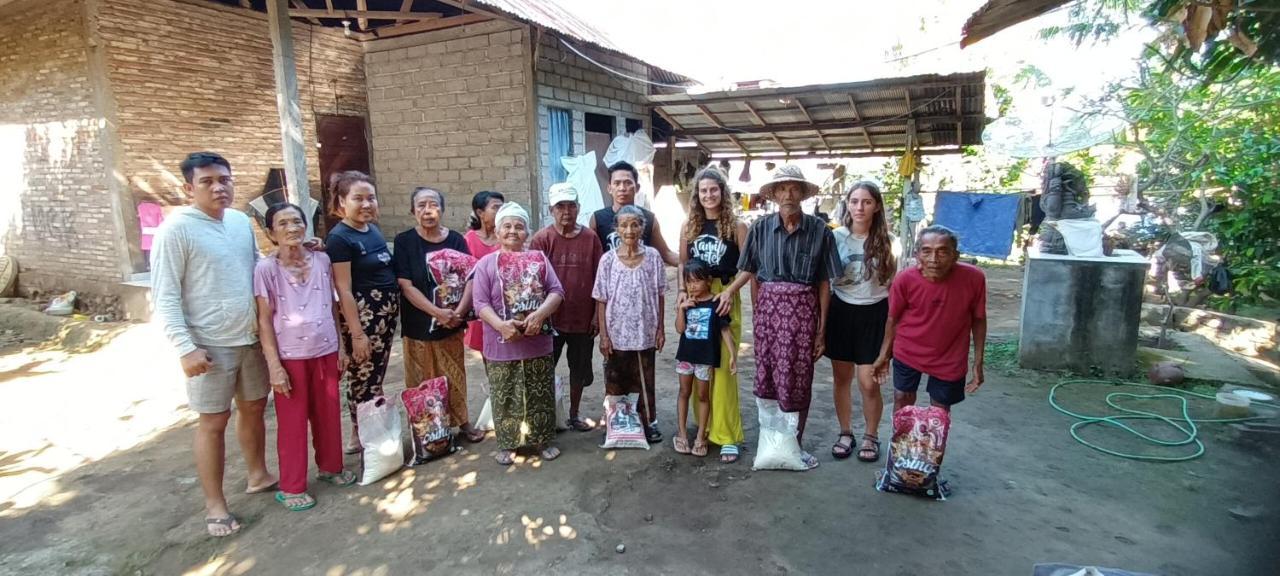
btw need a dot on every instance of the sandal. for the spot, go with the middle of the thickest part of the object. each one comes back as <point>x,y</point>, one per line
<point>728,454</point>
<point>506,457</point>
<point>653,435</point>
<point>222,527</point>
<point>263,488</point>
<point>579,425</point>
<point>681,445</point>
<point>473,435</point>
<point>699,448</point>
<point>296,502</point>
<point>841,450</point>
<point>870,445</point>
<point>810,461</point>
<point>343,478</point>
<point>550,453</point>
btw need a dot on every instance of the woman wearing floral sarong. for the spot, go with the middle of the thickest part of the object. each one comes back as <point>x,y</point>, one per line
<point>368,294</point>
<point>515,293</point>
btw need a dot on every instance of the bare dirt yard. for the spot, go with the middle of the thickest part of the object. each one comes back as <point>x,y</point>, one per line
<point>96,478</point>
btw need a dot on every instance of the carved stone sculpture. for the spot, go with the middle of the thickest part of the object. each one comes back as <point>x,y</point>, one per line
<point>1066,197</point>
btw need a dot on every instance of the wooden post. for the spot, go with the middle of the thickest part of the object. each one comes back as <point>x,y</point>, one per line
<point>295,151</point>
<point>906,234</point>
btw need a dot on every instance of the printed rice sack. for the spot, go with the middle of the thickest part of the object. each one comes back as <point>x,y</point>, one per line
<point>450,270</point>
<point>523,291</point>
<point>915,453</point>
<point>778,448</point>
<point>379,426</point>
<point>429,420</point>
<point>622,423</point>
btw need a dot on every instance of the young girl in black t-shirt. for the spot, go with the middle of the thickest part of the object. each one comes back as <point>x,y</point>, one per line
<point>701,331</point>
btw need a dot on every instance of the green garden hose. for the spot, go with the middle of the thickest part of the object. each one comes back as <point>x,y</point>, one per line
<point>1184,423</point>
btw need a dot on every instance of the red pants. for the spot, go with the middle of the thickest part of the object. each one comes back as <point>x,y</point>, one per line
<point>313,397</point>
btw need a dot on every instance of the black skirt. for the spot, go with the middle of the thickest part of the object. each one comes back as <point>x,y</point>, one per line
<point>855,332</point>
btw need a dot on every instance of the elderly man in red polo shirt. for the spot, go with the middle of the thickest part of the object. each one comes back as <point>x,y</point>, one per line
<point>934,310</point>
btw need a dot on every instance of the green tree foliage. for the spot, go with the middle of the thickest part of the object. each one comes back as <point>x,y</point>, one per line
<point>1211,160</point>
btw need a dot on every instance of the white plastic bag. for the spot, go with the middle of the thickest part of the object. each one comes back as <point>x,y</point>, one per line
<point>622,423</point>
<point>62,305</point>
<point>379,425</point>
<point>582,174</point>
<point>1083,237</point>
<point>485,421</point>
<point>562,404</point>
<point>778,448</point>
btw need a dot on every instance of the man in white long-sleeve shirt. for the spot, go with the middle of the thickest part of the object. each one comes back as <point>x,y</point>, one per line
<point>202,263</point>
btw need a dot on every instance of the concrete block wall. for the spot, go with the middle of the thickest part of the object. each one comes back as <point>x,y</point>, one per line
<point>569,81</point>
<point>103,98</point>
<point>55,207</point>
<point>449,109</point>
<point>181,84</point>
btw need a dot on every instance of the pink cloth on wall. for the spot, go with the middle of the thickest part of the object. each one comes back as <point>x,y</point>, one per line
<point>150,215</point>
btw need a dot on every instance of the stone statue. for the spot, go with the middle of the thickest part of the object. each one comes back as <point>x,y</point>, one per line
<point>1066,197</point>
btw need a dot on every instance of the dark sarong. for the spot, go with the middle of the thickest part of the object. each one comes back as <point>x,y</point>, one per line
<point>523,393</point>
<point>785,320</point>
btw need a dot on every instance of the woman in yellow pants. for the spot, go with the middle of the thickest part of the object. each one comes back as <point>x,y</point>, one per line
<point>712,233</point>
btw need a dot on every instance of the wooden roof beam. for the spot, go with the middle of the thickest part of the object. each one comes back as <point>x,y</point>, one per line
<point>737,143</point>
<point>755,116</point>
<point>406,7</point>
<point>422,26</point>
<point>668,118</point>
<point>853,105</point>
<point>365,15</point>
<point>710,117</point>
<point>303,5</point>
<point>807,127</point>
<point>362,6</point>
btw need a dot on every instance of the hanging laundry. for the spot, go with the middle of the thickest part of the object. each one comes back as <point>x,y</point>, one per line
<point>582,174</point>
<point>984,222</point>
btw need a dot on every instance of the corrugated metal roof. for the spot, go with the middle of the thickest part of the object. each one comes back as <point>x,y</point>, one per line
<point>856,118</point>
<point>551,15</point>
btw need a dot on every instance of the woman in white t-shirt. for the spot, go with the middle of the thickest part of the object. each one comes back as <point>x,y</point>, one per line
<point>857,314</point>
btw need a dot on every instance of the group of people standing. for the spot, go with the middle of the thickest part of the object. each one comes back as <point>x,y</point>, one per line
<point>244,325</point>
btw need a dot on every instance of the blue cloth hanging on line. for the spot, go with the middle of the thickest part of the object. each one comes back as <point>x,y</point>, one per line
<point>984,222</point>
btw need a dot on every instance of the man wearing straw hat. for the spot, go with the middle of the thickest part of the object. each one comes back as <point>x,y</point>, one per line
<point>792,255</point>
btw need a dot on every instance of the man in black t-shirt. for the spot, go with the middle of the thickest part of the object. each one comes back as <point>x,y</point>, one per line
<point>623,178</point>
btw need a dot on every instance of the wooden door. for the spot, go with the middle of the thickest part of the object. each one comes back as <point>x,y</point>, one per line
<point>343,146</point>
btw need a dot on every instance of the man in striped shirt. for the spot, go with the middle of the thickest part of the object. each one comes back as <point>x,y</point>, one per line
<point>793,257</point>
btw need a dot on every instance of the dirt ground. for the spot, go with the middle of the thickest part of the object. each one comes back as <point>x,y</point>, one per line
<point>96,478</point>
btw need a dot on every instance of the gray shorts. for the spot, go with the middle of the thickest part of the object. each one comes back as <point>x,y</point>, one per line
<point>238,372</point>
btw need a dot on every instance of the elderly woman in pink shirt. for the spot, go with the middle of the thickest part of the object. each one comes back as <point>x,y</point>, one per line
<point>297,325</point>
<point>515,292</point>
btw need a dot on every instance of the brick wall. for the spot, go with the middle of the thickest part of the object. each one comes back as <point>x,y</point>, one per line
<point>55,208</point>
<point>198,76</point>
<point>568,81</point>
<point>449,109</point>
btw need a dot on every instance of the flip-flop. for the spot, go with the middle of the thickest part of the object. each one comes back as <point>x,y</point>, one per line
<point>728,454</point>
<point>506,457</point>
<point>699,448</point>
<point>579,425</point>
<point>681,445</point>
<point>653,435</point>
<point>550,453</point>
<point>302,501</point>
<point>475,436</point>
<point>233,526</point>
<point>874,448</point>
<point>842,451</point>
<point>810,461</point>
<point>261,489</point>
<point>344,478</point>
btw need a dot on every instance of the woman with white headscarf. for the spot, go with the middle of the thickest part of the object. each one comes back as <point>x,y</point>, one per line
<point>515,293</point>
